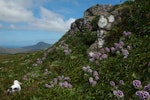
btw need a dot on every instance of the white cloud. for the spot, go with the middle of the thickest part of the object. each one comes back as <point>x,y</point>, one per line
<point>15,11</point>
<point>21,11</point>
<point>51,21</point>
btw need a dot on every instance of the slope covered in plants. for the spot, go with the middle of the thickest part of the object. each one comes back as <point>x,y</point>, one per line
<point>72,70</point>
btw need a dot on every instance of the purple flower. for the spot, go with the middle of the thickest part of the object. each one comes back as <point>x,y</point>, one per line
<point>117,45</point>
<point>93,83</point>
<point>125,52</point>
<point>60,84</point>
<point>102,50</point>
<point>147,87</point>
<point>60,78</point>
<point>67,78</point>
<point>112,49</point>
<point>55,80</point>
<point>95,55</point>
<point>25,78</point>
<point>121,43</point>
<point>112,83</point>
<point>96,78</point>
<point>126,33</point>
<point>91,59</point>
<point>143,95</point>
<point>43,58</point>
<point>90,71</point>
<point>118,93</point>
<point>65,84</point>
<point>129,47</point>
<point>138,93</point>
<point>48,86</point>
<point>84,68</point>
<point>95,73</point>
<point>69,85</point>
<point>66,52</point>
<point>89,27</point>
<point>91,80</point>
<point>104,56</point>
<point>88,67</point>
<point>39,61</point>
<point>121,82</point>
<point>137,84</point>
<point>35,65</point>
<point>107,49</point>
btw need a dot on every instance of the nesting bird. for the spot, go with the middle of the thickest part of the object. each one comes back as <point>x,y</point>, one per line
<point>15,87</point>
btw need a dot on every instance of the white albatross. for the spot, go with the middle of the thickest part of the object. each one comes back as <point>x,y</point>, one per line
<point>15,87</point>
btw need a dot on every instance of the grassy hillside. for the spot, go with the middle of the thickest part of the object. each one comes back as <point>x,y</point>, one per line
<point>65,72</point>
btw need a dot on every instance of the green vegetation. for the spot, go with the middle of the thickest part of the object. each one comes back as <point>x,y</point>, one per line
<point>68,56</point>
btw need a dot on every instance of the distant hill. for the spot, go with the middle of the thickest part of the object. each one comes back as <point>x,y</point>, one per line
<point>36,47</point>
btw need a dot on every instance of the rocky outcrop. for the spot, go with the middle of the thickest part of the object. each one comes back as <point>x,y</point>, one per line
<point>105,23</point>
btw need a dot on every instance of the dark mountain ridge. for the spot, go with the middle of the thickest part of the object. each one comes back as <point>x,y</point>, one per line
<point>36,47</point>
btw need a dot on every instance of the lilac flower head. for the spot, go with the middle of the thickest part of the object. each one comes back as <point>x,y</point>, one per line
<point>89,27</point>
<point>117,45</point>
<point>112,83</point>
<point>95,55</point>
<point>129,47</point>
<point>91,59</point>
<point>69,85</point>
<point>121,82</point>
<point>126,33</point>
<point>137,84</point>
<point>84,68</point>
<point>118,93</point>
<point>107,49</point>
<point>91,80</point>
<point>55,80</point>
<point>35,65</point>
<point>143,95</point>
<point>95,73</point>
<point>96,78</point>
<point>112,49</point>
<point>125,52</point>
<point>121,43</point>
<point>88,67</point>
<point>102,50</point>
<point>43,58</point>
<point>60,78</point>
<point>67,78</point>
<point>90,71</point>
<point>104,56</point>
<point>93,83</point>
<point>147,87</point>
<point>25,78</point>
<point>60,84</point>
<point>138,93</point>
<point>65,84</point>
<point>48,86</point>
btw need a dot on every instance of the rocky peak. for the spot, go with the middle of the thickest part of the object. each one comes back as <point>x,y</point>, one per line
<point>104,23</point>
<point>97,10</point>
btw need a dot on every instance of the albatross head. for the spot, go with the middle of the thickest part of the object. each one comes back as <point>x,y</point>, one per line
<point>17,82</point>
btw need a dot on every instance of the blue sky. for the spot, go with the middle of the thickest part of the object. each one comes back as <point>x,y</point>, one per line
<point>26,22</point>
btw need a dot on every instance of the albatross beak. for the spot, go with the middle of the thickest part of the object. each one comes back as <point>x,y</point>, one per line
<point>20,83</point>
